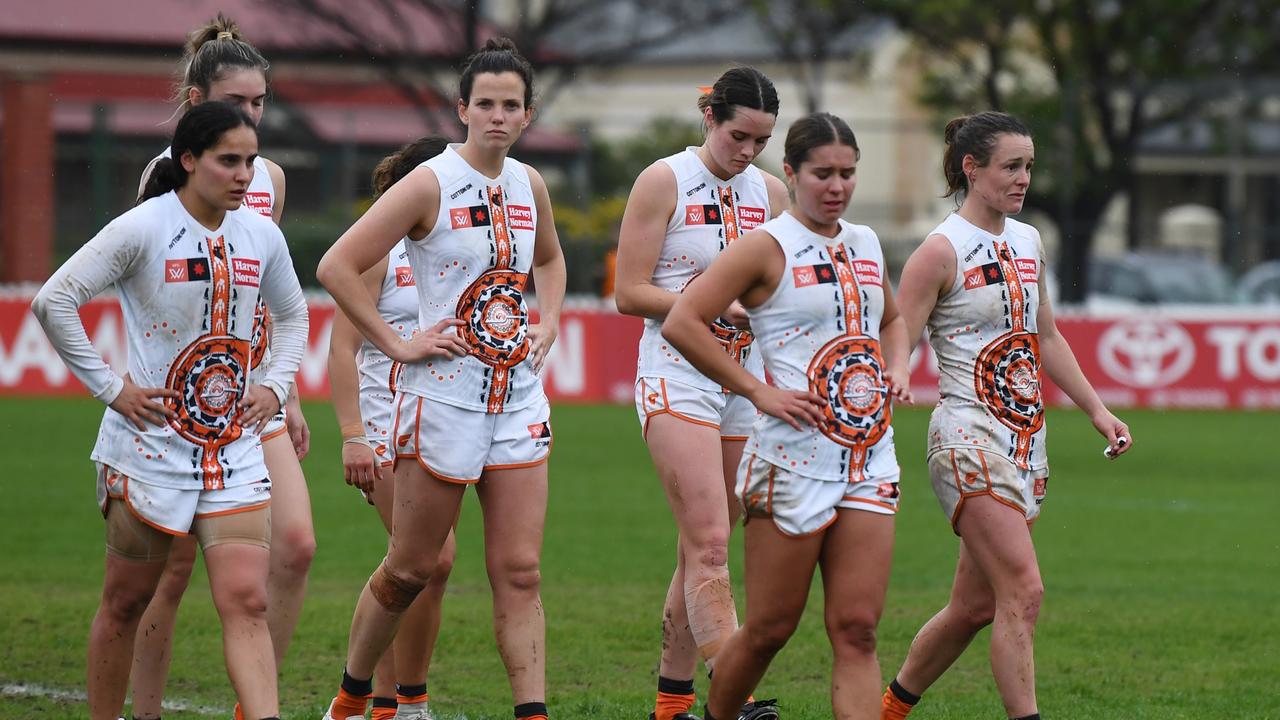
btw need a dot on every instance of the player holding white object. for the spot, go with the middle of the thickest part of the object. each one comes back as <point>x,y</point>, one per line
<point>471,408</point>
<point>219,64</point>
<point>819,479</point>
<point>684,211</point>
<point>178,453</point>
<point>978,284</point>
<point>364,383</point>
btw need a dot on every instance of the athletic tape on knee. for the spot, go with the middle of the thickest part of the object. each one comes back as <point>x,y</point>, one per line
<point>712,615</point>
<point>391,592</point>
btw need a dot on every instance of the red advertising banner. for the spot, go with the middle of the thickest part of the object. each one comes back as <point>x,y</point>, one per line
<point>1139,360</point>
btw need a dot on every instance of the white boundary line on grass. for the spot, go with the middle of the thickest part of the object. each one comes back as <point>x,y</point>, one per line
<point>31,690</point>
<point>78,696</point>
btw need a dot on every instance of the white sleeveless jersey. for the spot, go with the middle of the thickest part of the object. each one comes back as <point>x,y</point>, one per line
<point>709,214</point>
<point>379,374</point>
<point>188,296</point>
<point>261,198</point>
<point>474,265</point>
<point>820,331</point>
<point>983,331</point>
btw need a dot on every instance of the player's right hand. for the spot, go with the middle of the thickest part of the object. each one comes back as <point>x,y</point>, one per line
<point>137,404</point>
<point>438,342</point>
<point>790,406</point>
<point>360,467</point>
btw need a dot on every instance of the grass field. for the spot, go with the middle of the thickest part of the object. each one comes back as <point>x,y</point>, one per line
<point>1162,573</point>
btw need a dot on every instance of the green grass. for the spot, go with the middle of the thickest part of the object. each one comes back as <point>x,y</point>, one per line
<point>1162,573</point>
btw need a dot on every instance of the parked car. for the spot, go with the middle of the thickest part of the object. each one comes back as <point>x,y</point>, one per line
<point>1261,284</point>
<point>1150,279</point>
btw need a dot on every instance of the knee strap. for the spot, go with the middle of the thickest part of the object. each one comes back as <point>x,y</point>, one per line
<point>391,592</point>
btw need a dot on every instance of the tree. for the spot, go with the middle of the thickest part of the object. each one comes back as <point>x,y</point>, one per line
<point>559,37</point>
<point>808,34</point>
<point>1091,78</point>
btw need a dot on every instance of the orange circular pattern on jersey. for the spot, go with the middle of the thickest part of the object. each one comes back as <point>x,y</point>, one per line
<point>495,319</point>
<point>849,373</point>
<point>209,375</point>
<point>1007,380</point>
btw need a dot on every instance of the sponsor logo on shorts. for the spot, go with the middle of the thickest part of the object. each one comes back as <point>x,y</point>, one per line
<point>750,217</point>
<point>259,202</point>
<point>888,491</point>
<point>186,269</point>
<point>404,276</point>
<point>1028,269</point>
<point>541,434</point>
<point>702,215</point>
<point>246,272</point>
<point>403,440</point>
<point>1038,489</point>
<point>520,217</point>
<point>983,275</point>
<point>807,275</point>
<point>465,217</point>
<point>867,271</point>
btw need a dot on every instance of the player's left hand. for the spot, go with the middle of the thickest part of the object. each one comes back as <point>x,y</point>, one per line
<point>541,337</point>
<point>296,424</point>
<point>258,405</point>
<point>899,386</point>
<point>1112,428</point>
<point>736,315</point>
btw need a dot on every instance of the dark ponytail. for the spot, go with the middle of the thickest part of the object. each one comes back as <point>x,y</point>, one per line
<point>742,86</point>
<point>974,135</point>
<point>200,129</point>
<point>499,55</point>
<point>401,162</point>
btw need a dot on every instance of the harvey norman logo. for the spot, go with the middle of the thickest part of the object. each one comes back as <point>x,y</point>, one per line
<point>750,217</point>
<point>245,271</point>
<point>520,217</point>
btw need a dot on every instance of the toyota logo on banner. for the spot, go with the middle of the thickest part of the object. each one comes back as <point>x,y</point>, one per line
<point>1146,353</point>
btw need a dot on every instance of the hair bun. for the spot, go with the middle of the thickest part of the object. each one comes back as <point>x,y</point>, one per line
<point>500,44</point>
<point>953,127</point>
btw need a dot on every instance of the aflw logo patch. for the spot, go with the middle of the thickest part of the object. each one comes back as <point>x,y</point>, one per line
<point>245,272</point>
<point>519,217</point>
<point>186,269</point>
<point>867,271</point>
<point>750,217</point>
<point>465,217</point>
<point>404,276</point>
<point>989,274</point>
<point>540,433</point>
<point>259,201</point>
<point>805,275</point>
<point>702,215</point>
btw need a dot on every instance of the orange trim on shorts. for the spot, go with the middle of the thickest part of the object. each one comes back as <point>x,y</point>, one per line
<point>438,475</point>
<point>220,513</point>
<point>275,434</point>
<point>768,501</point>
<point>955,517</point>
<point>834,516</point>
<point>735,438</point>
<point>517,466</point>
<point>148,523</point>
<point>877,503</point>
